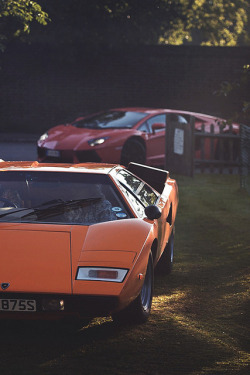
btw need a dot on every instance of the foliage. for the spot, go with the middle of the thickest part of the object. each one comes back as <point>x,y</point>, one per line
<point>240,87</point>
<point>113,22</point>
<point>211,23</point>
<point>16,17</point>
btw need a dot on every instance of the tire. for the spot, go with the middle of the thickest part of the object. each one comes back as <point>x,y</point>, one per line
<point>139,310</point>
<point>133,150</point>
<point>165,264</point>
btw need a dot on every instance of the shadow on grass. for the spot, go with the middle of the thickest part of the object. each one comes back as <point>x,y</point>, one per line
<point>162,346</point>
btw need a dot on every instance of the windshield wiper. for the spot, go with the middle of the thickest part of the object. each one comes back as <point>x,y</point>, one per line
<point>52,207</point>
<point>55,207</point>
<point>17,209</point>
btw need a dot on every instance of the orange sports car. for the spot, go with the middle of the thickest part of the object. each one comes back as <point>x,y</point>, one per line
<point>83,240</point>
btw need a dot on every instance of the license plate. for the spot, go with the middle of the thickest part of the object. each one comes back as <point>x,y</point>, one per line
<point>53,153</point>
<point>17,305</point>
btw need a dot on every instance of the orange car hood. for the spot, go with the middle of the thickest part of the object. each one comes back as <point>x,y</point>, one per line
<point>71,138</point>
<point>44,257</point>
<point>35,259</point>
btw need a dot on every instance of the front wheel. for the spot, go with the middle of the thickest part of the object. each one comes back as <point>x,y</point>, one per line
<point>139,310</point>
<point>133,150</point>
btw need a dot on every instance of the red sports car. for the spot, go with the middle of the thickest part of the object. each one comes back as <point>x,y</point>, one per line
<point>118,135</point>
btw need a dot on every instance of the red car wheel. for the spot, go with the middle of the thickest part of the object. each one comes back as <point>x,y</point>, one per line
<point>133,150</point>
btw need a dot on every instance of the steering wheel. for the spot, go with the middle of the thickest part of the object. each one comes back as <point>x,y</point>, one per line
<point>8,203</point>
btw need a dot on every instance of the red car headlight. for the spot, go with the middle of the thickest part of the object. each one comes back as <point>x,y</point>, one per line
<point>97,141</point>
<point>44,136</point>
<point>116,275</point>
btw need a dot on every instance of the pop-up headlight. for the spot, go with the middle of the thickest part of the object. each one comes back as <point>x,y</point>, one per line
<point>116,275</point>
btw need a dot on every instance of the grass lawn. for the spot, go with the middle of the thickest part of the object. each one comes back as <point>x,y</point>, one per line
<point>199,322</point>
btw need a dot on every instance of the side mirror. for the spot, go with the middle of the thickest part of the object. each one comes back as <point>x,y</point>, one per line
<point>152,212</point>
<point>158,126</point>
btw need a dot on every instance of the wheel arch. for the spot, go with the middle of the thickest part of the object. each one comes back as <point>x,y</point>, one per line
<point>136,138</point>
<point>170,215</point>
<point>154,247</point>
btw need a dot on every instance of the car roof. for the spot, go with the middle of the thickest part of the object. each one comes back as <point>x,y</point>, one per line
<point>100,168</point>
<point>151,111</point>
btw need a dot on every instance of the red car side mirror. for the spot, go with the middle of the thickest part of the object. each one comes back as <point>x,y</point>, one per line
<point>158,126</point>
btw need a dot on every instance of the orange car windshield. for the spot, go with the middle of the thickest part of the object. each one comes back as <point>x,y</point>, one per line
<point>111,119</point>
<point>57,197</point>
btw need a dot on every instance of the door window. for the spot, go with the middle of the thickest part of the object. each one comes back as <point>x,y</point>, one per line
<point>156,119</point>
<point>138,188</point>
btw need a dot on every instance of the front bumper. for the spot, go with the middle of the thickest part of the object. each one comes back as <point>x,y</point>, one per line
<point>80,305</point>
<point>68,156</point>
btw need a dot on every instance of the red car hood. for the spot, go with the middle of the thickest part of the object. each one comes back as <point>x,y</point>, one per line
<point>68,137</point>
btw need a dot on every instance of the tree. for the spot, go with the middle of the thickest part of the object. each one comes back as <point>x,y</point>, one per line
<point>239,88</point>
<point>112,22</point>
<point>16,17</point>
<point>214,23</point>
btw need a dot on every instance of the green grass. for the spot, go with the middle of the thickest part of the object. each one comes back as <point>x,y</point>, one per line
<point>199,323</point>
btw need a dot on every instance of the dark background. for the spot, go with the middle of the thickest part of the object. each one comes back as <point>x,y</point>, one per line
<point>42,86</point>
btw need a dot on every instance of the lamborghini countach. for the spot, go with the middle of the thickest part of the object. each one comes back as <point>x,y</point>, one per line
<point>83,240</point>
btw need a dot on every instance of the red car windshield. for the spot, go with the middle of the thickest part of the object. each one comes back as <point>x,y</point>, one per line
<point>111,119</point>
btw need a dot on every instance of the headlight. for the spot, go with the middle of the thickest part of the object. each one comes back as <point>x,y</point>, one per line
<point>116,275</point>
<point>97,141</point>
<point>43,137</point>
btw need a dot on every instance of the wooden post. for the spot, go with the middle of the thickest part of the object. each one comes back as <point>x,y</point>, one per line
<point>202,148</point>
<point>212,148</point>
<point>179,148</point>
<point>192,148</point>
<point>221,151</point>
<point>230,149</point>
